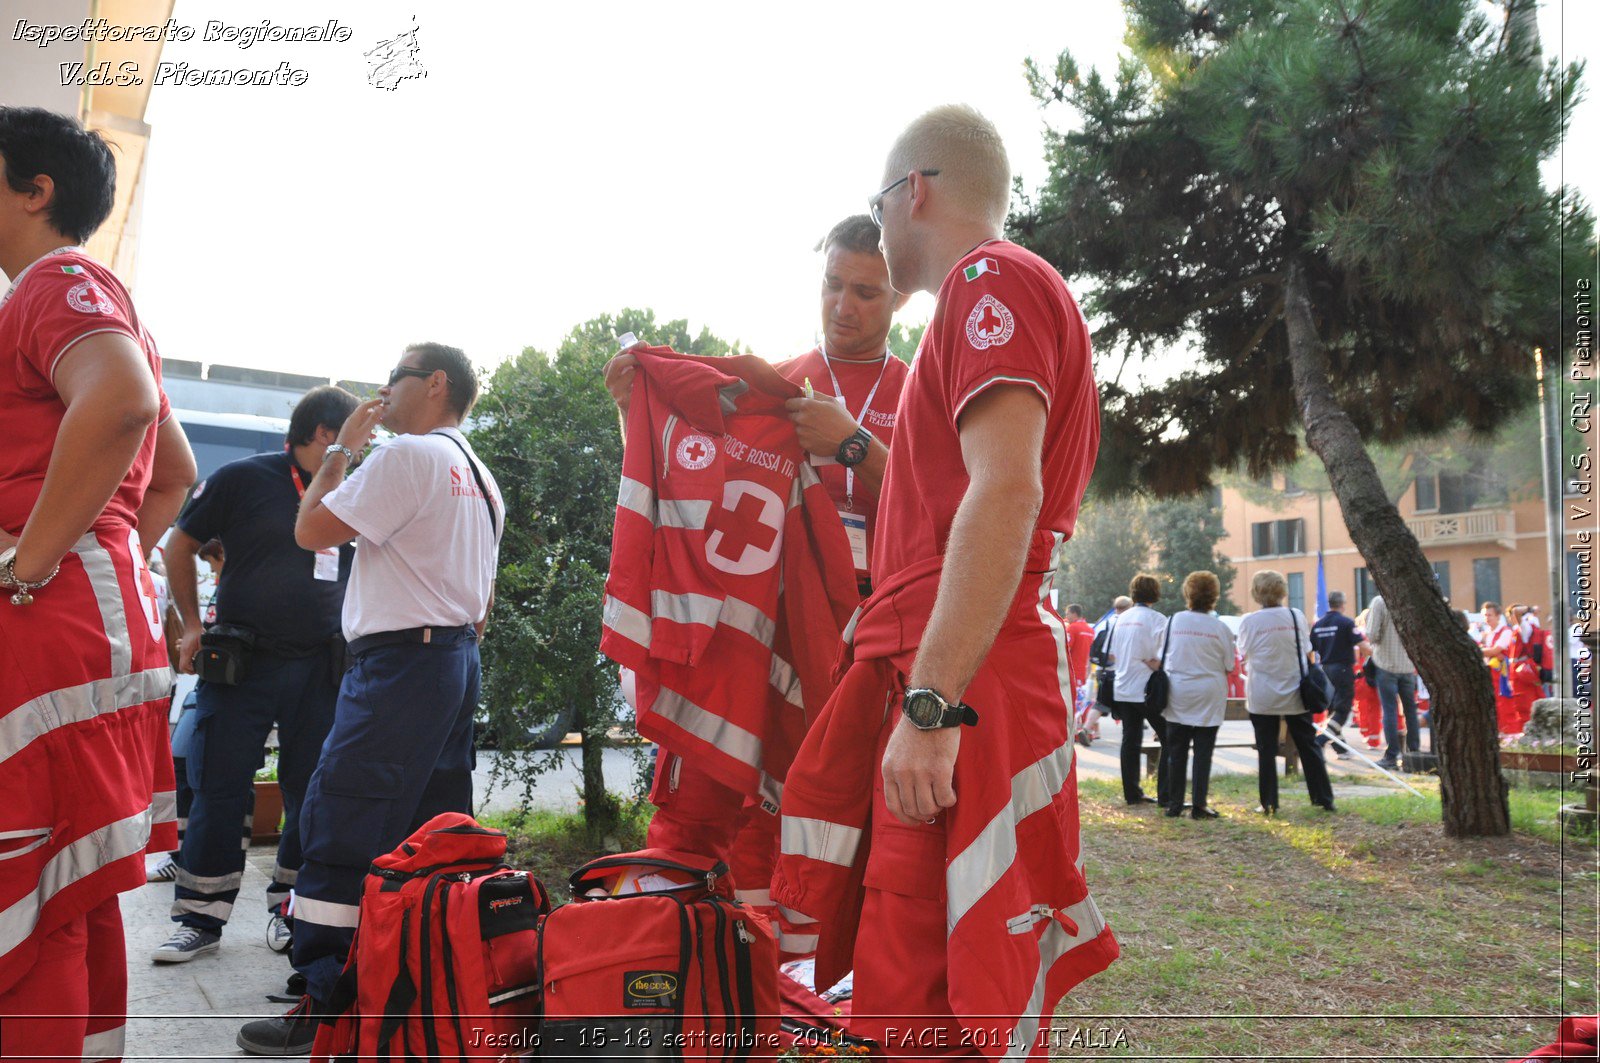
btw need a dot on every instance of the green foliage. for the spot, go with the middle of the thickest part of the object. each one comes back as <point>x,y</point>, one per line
<point>903,340</point>
<point>1391,146</point>
<point>1117,538</point>
<point>548,428</point>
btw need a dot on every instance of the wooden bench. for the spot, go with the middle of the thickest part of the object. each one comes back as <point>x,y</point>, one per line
<point>1235,710</point>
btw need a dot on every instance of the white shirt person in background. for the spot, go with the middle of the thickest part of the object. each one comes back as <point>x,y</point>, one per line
<point>1200,653</point>
<point>1276,657</point>
<point>1135,652</point>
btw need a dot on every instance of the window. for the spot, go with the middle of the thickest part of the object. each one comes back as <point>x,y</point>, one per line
<point>1428,493</point>
<point>1365,591</point>
<point>1270,538</point>
<point>1478,488</point>
<point>1291,488</point>
<point>1441,572</point>
<point>1485,580</point>
<point>1297,591</point>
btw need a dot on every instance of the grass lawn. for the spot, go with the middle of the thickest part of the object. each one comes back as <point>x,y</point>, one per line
<point>1362,934</point>
<point>1365,934</point>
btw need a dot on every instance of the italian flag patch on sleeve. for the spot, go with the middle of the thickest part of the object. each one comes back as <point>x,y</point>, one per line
<point>980,267</point>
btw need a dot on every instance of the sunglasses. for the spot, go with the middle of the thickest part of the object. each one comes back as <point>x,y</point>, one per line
<point>400,372</point>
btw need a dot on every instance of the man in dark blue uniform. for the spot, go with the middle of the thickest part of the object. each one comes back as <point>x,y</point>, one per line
<point>1334,637</point>
<point>277,608</point>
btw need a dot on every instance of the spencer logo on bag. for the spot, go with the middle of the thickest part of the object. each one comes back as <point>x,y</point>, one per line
<point>650,989</point>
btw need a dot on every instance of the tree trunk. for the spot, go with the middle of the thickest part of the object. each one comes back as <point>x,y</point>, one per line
<point>600,810</point>
<point>1463,718</point>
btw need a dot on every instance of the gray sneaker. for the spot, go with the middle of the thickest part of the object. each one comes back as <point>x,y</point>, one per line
<point>187,943</point>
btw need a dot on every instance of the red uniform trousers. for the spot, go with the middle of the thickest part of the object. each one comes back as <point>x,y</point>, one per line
<point>1369,712</point>
<point>75,994</point>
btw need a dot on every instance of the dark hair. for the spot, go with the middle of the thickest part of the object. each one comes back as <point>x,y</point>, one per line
<point>1075,609</point>
<point>35,141</point>
<point>324,407</point>
<point>856,233</point>
<point>457,367</point>
<point>1144,589</point>
<point>1201,590</point>
<point>211,548</point>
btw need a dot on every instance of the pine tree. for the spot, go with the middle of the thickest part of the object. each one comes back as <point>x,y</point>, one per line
<point>1335,206</point>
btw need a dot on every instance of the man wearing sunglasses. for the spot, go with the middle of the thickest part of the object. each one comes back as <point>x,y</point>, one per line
<point>427,518</point>
<point>973,819</point>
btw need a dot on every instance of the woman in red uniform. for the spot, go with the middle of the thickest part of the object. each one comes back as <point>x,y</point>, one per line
<point>91,474</point>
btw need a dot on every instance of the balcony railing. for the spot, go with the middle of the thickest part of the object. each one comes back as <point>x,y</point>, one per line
<point>1475,526</point>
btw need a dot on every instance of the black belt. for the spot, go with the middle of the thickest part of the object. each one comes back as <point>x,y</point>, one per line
<point>367,643</point>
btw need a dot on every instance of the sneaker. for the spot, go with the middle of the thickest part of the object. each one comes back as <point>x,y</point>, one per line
<point>280,935</point>
<point>1204,813</point>
<point>165,870</point>
<point>289,1034</point>
<point>1388,763</point>
<point>187,943</point>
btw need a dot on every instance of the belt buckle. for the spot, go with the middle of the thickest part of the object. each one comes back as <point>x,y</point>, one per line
<point>427,635</point>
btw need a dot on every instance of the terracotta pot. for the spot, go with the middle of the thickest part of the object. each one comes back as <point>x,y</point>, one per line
<point>266,825</point>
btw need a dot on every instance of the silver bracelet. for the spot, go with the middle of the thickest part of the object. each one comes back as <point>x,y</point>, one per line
<point>8,576</point>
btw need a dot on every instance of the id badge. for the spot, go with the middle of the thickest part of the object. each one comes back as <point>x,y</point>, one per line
<point>855,529</point>
<point>327,566</point>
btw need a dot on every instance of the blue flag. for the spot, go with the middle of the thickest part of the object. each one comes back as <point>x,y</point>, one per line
<point>1322,587</point>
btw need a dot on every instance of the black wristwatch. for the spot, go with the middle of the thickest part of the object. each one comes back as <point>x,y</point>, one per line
<point>929,711</point>
<point>853,451</point>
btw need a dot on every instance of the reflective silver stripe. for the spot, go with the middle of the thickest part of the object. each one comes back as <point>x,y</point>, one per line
<point>771,792</point>
<point>797,943</point>
<point>728,395</point>
<point>1054,943</point>
<point>848,635</point>
<point>102,573</point>
<point>761,897</point>
<point>794,917</point>
<point>284,876</point>
<point>194,906</point>
<point>752,621</point>
<point>164,806</point>
<point>728,737</point>
<point>59,708</point>
<point>107,1044</point>
<point>207,883</point>
<point>817,839</point>
<point>326,913</point>
<point>786,681</point>
<point>682,513</point>
<point>625,620</point>
<point>982,863</point>
<point>511,994</point>
<point>80,859</point>
<point>685,608</point>
<point>637,496</point>
<point>1058,632</point>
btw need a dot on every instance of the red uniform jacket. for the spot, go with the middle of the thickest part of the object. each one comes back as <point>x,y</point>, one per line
<point>731,575</point>
<point>1022,928</point>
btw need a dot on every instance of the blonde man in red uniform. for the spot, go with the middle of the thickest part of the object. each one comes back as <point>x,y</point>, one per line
<point>93,472</point>
<point>974,914</point>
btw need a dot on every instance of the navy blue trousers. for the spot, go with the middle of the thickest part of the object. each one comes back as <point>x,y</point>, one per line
<point>230,732</point>
<point>400,753</point>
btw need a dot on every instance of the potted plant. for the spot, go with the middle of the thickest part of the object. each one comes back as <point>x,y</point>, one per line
<point>266,825</point>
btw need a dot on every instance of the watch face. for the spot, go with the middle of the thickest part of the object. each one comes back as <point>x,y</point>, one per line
<point>923,710</point>
<point>852,452</point>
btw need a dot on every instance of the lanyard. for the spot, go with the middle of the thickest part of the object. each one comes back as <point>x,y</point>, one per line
<point>883,367</point>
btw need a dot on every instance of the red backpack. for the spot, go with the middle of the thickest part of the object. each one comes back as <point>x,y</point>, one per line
<point>445,959</point>
<point>680,970</point>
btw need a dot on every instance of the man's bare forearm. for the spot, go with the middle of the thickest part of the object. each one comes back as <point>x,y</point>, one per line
<point>182,579</point>
<point>872,469</point>
<point>983,566</point>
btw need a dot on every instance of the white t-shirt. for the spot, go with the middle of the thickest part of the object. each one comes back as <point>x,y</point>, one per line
<point>1199,657</point>
<point>426,556</point>
<point>1136,637</point>
<point>1272,675</point>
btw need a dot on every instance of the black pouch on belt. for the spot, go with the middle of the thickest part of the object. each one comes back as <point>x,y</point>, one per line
<point>224,656</point>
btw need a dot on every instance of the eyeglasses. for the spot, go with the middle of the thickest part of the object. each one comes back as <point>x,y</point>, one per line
<point>875,203</point>
<point>400,372</point>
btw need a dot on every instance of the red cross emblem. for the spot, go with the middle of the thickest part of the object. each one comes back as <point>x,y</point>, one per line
<point>696,451</point>
<point>990,324</point>
<point>746,530</point>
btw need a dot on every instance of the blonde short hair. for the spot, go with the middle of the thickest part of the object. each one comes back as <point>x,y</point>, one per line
<point>1269,588</point>
<point>1201,590</point>
<point>966,149</point>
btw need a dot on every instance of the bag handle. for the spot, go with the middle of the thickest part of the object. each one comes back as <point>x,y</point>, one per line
<point>483,488</point>
<point>1166,638</point>
<point>1297,655</point>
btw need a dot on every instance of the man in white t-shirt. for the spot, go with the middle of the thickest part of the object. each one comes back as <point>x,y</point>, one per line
<point>426,516</point>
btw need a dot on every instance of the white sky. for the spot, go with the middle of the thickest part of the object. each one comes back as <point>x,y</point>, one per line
<point>559,162</point>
